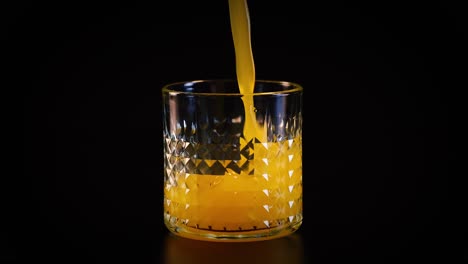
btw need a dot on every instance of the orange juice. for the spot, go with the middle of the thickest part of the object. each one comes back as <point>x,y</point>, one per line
<point>264,198</point>
<point>269,198</point>
<point>245,66</point>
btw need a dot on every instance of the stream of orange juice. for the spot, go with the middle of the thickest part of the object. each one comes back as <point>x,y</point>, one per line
<point>266,195</point>
<point>245,66</point>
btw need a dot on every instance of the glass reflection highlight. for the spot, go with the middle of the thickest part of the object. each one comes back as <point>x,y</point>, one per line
<point>178,250</point>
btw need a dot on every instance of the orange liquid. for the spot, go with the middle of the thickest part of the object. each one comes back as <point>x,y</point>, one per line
<point>245,66</point>
<point>247,202</point>
<point>241,202</point>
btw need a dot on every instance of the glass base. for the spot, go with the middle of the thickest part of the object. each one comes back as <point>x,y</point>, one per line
<point>233,236</point>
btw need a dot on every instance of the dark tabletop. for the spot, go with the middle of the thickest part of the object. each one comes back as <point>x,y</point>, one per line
<point>378,83</point>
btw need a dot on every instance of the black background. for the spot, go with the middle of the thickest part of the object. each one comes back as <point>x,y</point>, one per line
<point>379,80</point>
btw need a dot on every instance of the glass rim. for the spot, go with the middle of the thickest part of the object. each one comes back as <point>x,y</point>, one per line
<point>295,87</point>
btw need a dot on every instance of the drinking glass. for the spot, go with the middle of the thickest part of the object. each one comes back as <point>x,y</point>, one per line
<point>232,161</point>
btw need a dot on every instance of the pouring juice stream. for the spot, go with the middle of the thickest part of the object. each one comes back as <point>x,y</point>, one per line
<point>245,66</point>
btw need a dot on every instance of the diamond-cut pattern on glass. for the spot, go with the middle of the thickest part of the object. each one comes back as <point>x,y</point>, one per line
<point>258,186</point>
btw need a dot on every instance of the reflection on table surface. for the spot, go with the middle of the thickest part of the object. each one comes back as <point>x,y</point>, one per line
<point>287,249</point>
